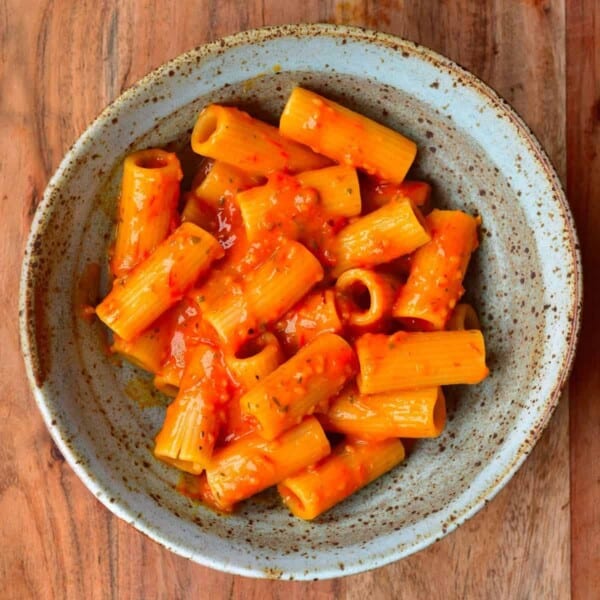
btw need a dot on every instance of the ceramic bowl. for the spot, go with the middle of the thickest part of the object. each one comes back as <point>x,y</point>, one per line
<point>525,282</point>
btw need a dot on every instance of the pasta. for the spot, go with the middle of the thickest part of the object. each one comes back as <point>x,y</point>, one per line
<point>233,136</point>
<point>316,373</point>
<point>346,136</point>
<point>391,231</point>
<point>149,349</point>
<point>434,284</point>
<point>376,193</point>
<point>294,300</point>
<point>411,360</point>
<point>298,207</point>
<point>419,413</point>
<point>463,317</point>
<point>220,182</point>
<point>316,313</point>
<point>351,466</point>
<point>366,296</point>
<point>185,329</point>
<point>267,293</point>
<point>282,207</point>
<point>159,282</point>
<point>191,426</point>
<point>262,356</point>
<point>338,189</point>
<point>147,207</point>
<point>251,464</point>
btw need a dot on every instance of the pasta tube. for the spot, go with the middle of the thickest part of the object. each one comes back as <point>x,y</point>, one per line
<point>264,295</point>
<point>463,317</point>
<point>261,357</point>
<point>338,189</point>
<point>366,296</point>
<point>417,413</point>
<point>281,207</point>
<point>230,135</point>
<point>379,237</point>
<point>376,193</point>
<point>167,380</point>
<point>197,488</point>
<point>434,285</point>
<point>186,330</point>
<point>346,136</point>
<point>191,425</point>
<point>313,375</point>
<point>252,464</point>
<point>159,282</point>
<point>147,207</point>
<point>237,424</point>
<point>414,360</point>
<point>198,212</point>
<point>351,466</point>
<point>223,181</point>
<point>314,314</point>
<point>149,349</point>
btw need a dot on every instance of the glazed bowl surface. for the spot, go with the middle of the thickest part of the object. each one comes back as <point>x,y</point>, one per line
<point>525,282</point>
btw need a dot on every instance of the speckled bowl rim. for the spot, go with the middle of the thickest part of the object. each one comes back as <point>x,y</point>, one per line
<point>27,332</point>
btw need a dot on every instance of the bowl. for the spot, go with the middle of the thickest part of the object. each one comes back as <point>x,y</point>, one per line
<point>525,282</point>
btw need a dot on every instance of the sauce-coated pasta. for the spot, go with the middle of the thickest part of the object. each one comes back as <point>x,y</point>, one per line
<point>300,305</point>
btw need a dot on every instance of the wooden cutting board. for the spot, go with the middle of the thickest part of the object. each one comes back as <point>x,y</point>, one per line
<point>62,61</point>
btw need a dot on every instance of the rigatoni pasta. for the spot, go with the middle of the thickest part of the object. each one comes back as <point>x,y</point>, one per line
<point>434,284</point>
<point>338,189</point>
<point>149,349</point>
<point>217,182</point>
<point>346,136</point>
<point>406,360</point>
<point>267,293</point>
<point>281,207</point>
<point>260,358</point>
<point>417,413</point>
<point>366,297</point>
<point>191,425</point>
<point>463,317</point>
<point>392,231</point>
<point>159,282</point>
<point>316,373</point>
<point>304,302</point>
<point>376,193</point>
<point>252,464</point>
<point>230,135</point>
<point>147,206</point>
<point>351,466</point>
<point>316,313</point>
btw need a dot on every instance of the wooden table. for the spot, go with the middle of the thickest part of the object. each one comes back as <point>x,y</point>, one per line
<point>61,61</point>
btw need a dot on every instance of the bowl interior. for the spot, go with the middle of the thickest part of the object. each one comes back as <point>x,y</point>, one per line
<point>522,281</point>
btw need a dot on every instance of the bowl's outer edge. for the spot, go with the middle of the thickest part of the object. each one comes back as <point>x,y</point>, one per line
<point>26,300</point>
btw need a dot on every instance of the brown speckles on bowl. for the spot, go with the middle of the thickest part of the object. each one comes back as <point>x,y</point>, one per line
<point>524,281</point>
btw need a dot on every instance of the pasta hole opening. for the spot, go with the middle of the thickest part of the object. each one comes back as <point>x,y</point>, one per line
<point>152,161</point>
<point>360,296</point>
<point>251,348</point>
<point>463,318</point>
<point>418,214</point>
<point>291,499</point>
<point>205,127</point>
<point>439,412</point>
<point>471,320</point>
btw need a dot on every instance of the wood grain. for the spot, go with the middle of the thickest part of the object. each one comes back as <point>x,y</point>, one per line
<point>60,63</point>
<point>583,139</point>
